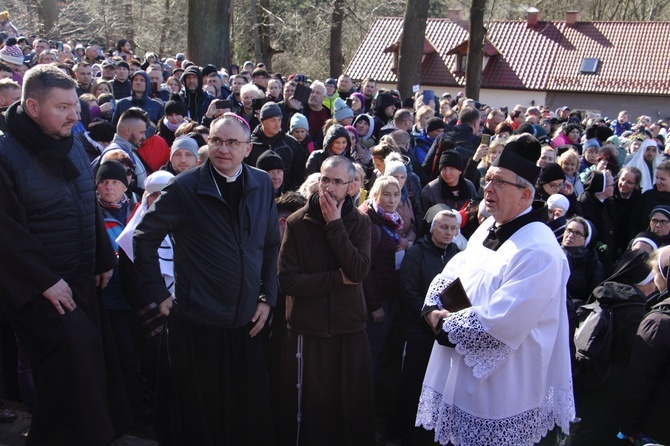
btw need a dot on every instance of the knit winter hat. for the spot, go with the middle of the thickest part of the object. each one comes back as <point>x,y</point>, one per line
<point>551,172</point>
<point>395,166</point>
<point>331,81</point>
<point>451,158</point>
<point>175,105</point>
<point>184,142</point>
<point>111,170</point>
<point>269,160</point>
<point>12,52</point>
<point>270,110</point>
<point>101,131</point>
<point>351,129</point>
<point>341,110</point>
<point>434,124</point>
<point>558,201</point>
<point>208,69</point>
<point>299,121</point>
<point>359,96</point>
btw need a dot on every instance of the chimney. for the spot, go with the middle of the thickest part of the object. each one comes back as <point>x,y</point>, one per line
<point>571,18</point>
<point>455,15</point>
<point>532,17</point>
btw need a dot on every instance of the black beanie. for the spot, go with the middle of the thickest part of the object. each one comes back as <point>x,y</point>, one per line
<point>175,105</point>
<point>208,69</point>
<point>434,124</point>
<point>269,160</point>
<point>602,133</point>
<point>101,131</point>
<point>270,110</point>
<point>451,158</point>
<point>551,172</point>
<point>525,128</point>
<point>111,170</point>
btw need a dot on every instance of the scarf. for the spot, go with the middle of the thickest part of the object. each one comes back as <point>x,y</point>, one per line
<point>108,205</point>
<point>49,151</point>
<point>392,219</point>
<point>170,126</point>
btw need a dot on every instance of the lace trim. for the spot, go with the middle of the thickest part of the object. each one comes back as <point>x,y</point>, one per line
<point>452,424</point>
<point>484,353</point>
<point>438,285</point>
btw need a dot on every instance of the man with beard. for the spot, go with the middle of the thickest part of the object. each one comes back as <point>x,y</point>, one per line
<point>131,132</point>
<point>56,254</point>
<point>326,371</point>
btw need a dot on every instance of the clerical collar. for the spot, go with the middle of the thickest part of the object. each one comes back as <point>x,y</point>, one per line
<point>500,234</point>
<point>228,179</point>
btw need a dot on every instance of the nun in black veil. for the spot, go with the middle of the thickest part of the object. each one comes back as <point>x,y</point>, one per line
<point>597,403</point>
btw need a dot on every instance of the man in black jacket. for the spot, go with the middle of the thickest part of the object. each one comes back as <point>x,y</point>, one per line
<point>223,220</point>
<point>268,135</point>
<point>56,253</point>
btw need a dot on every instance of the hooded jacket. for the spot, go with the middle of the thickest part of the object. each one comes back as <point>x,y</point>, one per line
<point>311,261</point>
<point>198,102</point>
<point>317,157</point>
<point>151,106</point>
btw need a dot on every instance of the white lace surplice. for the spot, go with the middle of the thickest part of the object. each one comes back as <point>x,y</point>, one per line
<point>508,380</point>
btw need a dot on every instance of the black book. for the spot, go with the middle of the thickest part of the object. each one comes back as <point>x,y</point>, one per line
<point>453,298</point>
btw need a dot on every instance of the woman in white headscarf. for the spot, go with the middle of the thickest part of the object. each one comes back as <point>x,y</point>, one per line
<point>147,310</point>
<point>646,158</point>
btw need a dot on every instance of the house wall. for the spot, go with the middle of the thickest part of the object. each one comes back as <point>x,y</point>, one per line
<point>510,98</point>
<point>609,105</point>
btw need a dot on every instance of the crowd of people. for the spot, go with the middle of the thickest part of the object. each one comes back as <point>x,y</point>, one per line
<point>236,256</point>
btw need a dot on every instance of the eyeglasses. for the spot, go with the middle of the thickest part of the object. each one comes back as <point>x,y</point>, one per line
<point>499,183</point>
<point>575,233</point>
<point>556,186</point>
<point>325,181</point>
<point>232,144</point>
<point>657,222</point>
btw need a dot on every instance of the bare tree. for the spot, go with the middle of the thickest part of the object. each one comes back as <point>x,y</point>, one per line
<point>209,32</point>
<point>473,70</point>
<point>47,15</point>
<point>336,56</point>
<point>411,46</point>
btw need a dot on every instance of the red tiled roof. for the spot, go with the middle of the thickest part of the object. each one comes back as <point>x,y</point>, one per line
<point>547,57</point>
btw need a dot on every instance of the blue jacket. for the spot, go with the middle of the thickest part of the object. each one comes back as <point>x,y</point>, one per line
<point>151,106</point>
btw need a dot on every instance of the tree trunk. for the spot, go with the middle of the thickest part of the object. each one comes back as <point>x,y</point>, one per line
<point>473,74</point>
<point>255,27</point>
<point>129,31</point>
<point>47,15</point>
<point>411,46</point>
<point>208,37</point>
<point>336,56</point>
<point>265,28</point>
<point>165,26</point>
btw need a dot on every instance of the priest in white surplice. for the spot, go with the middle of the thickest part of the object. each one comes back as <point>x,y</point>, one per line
<point>507,381</point>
